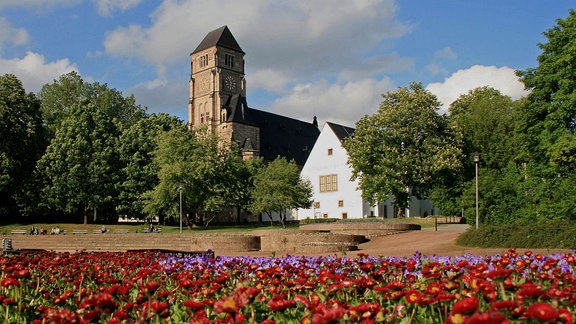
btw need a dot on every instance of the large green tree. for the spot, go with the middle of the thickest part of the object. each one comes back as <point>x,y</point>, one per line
<point>139,173</point>
<point>81,166</point>
<point>199,164</point>
<point>22,141</point>
<point>486,120</point>
<point>279,188</point>
<point>66,92</point>
<point>405,148</point>
<point>547,125</point>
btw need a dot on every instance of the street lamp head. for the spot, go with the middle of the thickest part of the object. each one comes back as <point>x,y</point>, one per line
<point>476,157</point>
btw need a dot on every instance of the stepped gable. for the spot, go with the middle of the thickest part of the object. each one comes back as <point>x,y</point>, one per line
<point>219,37</point>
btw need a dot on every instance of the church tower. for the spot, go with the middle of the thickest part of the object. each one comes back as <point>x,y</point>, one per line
<point>217,74</point>
<point>218,101</point>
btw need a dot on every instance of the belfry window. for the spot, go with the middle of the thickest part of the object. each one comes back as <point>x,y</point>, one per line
<point>229,60</point>
<point>203,60</point>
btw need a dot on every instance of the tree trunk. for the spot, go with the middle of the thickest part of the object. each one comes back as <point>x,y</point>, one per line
<point>95,218</point>
<point>85,215</point>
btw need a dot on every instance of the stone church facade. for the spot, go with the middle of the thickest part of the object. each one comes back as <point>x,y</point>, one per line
<point>218,100</point>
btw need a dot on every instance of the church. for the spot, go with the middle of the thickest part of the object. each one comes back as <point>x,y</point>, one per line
<point>218,100</point>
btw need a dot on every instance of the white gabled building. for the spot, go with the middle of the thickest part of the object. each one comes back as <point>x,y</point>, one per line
<point>334,194</point>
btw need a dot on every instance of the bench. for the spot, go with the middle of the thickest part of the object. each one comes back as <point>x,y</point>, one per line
<point>121,231</point>
<point>78,231</point>
<point>97,231</point>
<point>18,231</point>
<point>155,230</point>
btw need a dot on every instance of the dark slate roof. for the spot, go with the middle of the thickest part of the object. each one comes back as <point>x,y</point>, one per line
<point>279,135</point>
<point>219,37</point>
<point>341,132</point>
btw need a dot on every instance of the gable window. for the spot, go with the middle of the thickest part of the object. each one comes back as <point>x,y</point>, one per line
<point>203,60</point>
<point>329,183</point>
<point>329,151</point>
<point>229,60</point>
<point>316,204</point>
<point>340,203</point>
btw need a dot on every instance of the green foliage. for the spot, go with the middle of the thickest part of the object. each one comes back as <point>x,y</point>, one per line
<point>139,173</point>
<point>404,149</point>
<point>279,187</point>
<point>81,167</point>
<point>22,141</point>
<point>545,234</point>
<point>198,163</point>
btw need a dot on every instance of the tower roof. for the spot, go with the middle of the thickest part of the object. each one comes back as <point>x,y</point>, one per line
<point>221,37</point>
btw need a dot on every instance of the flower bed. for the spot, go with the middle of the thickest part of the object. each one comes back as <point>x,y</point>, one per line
<point>154,287</point>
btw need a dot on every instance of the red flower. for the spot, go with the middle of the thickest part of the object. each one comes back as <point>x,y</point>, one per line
<point>278,303</point>
<point>193,304</point>
<point>226,305</point>
<point>413,296</point>
<point>542,312</point>
<point>487,318</point>
<point>466,306</point>
<point>565,316</point>
<point>10,281</point>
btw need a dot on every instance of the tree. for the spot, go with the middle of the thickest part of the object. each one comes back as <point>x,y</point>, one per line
<point>199,163</point>
<point>81,167</point>
<point>550,112</point>
<point>404,149</point>
<point>139,173</point>
<point>22,141</point>
<point>63,94</point>
<point>486,121</point>
<point>279,188</point>
<point>547,126</point>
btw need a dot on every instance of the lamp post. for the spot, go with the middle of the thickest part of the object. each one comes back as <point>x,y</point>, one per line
<point>180,188</point>
<point>476,161</point>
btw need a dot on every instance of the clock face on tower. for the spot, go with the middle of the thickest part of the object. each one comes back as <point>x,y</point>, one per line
<point>230,83</point>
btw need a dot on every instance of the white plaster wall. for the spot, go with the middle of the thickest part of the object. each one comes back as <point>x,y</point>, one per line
<point>320,163</point>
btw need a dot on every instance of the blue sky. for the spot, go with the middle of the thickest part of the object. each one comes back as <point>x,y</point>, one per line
<point>327,58</point>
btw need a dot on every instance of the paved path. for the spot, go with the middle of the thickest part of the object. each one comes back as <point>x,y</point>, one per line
<point>427,241</point>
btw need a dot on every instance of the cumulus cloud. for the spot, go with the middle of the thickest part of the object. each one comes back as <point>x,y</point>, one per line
<point>34,71</point>
<point>106,7</point>
<point>343,103</point>
<point>9,34</point>
<point>297,39</point>
<point>163,95</point>
<point>461,82</point>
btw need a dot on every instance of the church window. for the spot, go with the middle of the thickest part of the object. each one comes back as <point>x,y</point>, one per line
<point>203,60</point>
<point>201,118</point>
<point>329,183</point>
<point>229,60</point>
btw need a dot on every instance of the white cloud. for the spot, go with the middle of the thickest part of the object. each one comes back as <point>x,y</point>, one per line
<point>36,3</point>
<point>446,53</point>
<point>162,95</point>
<point>503,79</point>
<point>299,38</point>
<point>34,71</point>
<point>342,103</point>
<point>106,7</point>
<point>9,34</point>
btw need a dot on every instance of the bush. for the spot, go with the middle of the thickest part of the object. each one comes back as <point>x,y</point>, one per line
<point>544,235</point>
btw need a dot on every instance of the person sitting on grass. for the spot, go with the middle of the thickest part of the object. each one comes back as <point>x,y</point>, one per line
<point>104,229</point>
